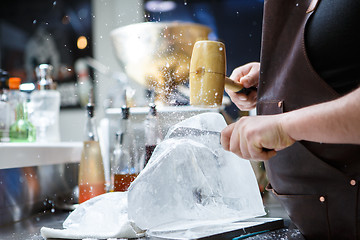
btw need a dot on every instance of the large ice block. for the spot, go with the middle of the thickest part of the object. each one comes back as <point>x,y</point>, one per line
<point>191,179</point>
<point>102,217</point>
<point>189,182</point>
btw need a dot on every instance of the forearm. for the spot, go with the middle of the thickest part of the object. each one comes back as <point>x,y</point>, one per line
<point>336,121</point>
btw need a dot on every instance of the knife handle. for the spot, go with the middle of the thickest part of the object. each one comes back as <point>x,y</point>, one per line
<point>237,87</point>
<point>232,85</point>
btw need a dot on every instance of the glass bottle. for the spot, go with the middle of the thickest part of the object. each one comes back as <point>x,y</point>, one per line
<point>4,107</point>
<point>152,132</point>
<point>22,130</point>
<point>91,171</point>
<point>14,96</point>
<point>46,106</point>
<point>125,165</point>
<point>121,166</point>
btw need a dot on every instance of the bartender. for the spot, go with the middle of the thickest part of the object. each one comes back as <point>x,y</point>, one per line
<point>309,101</point>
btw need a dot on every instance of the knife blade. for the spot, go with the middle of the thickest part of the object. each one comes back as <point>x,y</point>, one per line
<point>186,131</point>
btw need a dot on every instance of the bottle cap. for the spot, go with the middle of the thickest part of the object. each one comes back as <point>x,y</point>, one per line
<point>14,82</point>
<point>4,77</point>
<point>90,107</point>
<point>43,73</point>
<point>152,110</point>
<point>125,111</point>
<point>119,137</point>
<point>27,87</point>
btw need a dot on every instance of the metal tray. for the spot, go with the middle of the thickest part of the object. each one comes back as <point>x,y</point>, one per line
<point>234,230</point>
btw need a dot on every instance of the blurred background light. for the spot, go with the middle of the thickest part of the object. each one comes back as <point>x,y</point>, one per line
<point>82,42</point>
<point>160,6</point>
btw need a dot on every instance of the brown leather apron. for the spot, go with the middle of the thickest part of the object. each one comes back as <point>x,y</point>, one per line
<point>318,184</point>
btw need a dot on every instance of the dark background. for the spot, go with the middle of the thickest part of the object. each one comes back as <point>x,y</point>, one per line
<point>65,20</point>
<point>236,23</point>
<point>62,20</point>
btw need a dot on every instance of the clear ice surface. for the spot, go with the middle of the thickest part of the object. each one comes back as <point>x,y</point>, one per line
<point>101,217</point>
<point>191,180</point>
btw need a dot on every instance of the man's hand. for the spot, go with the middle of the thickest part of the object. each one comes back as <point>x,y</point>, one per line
<point>248,76</point>
<point>256,138</point>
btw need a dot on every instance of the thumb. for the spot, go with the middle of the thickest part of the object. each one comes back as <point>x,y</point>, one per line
<point>251,79</point>
<point>226,135</point>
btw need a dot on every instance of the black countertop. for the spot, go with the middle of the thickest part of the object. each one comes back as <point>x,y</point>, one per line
<point>29,229</point>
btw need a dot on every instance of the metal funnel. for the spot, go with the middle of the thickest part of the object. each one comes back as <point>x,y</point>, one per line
<point>157,55</point>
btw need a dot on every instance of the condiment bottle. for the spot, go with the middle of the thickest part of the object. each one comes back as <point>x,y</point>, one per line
<point>125,165</point>
<point>91,171</point>
<point>22,130</point>
<point>14,97</point>
<point>4,107</point>
<point>152,132</point>
<point>121,165</point>
<point>46,106</point>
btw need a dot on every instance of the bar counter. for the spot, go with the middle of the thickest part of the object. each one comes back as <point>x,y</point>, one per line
<point>29,228</point>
